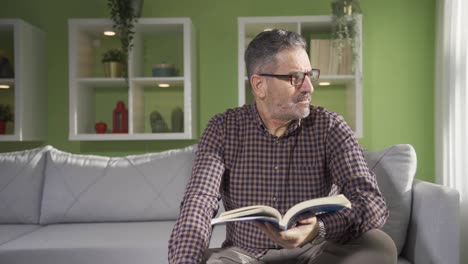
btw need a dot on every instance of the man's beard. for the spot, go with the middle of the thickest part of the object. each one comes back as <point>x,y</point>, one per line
<point>295,109</point>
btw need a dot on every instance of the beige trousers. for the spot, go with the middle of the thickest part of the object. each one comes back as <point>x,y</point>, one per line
<point>373,246</point>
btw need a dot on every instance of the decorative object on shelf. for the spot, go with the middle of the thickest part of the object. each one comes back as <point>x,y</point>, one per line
<point>344,29</point>
<point>113,63</point>
<point>158,125</point>
<point>120,118</point>
<point>6,115</point>
<point>177,120</point>
<point>163,69</point>
<point>6,69</point>
<point>124,14</point>
<point>323,56</point>
<point>101,127</point>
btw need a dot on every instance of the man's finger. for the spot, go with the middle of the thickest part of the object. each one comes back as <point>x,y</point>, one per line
<point>309,220</point>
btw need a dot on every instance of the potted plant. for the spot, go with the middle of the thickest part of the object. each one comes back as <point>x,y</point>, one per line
<point>344,29</point>
<point>113,61</point>
<point>124,14</point>
<point>6,115</point>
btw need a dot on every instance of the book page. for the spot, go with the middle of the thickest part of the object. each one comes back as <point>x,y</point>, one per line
<point>331,203</point>
<point>271,220</point>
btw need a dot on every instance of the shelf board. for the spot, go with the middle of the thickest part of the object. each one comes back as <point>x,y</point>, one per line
<point>9,137</point>
<point>337,79</point>
<point>102,82</point>
<point>120,82</point>
<point>154,81</point>
<point>8,81</point>
<point>252,30</point>
<point>122,136</point>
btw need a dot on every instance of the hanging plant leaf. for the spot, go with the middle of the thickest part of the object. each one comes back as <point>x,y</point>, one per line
<point>344,27</point>
<point>124,16</point>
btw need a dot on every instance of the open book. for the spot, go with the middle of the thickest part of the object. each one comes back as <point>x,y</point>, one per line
<point>270,214</point>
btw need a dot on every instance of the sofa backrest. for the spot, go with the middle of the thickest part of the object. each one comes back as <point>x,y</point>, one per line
<point>21,180</point>
<point>90,188</point>
<point>395,168</point>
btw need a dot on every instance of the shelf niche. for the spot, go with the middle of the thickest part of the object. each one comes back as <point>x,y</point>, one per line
<point>93,96</point>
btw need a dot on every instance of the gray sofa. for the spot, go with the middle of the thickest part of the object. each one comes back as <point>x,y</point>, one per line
<point>58,207</point>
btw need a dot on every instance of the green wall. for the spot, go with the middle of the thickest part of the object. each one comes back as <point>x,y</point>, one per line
<point>398,66</point>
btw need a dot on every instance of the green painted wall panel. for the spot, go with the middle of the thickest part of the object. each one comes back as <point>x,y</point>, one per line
<point>398,66</point>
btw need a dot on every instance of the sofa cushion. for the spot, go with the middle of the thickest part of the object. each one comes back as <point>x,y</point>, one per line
<point>89,188</point>
<point>395,168</point>
<point>21,179</point>
<point>101,243</point>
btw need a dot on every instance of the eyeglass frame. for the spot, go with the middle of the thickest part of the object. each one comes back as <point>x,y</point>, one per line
<point>290,76</point>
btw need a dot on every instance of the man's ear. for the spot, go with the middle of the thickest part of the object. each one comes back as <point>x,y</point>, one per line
<point>258,86</point>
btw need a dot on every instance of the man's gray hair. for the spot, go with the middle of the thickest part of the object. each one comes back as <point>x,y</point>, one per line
<point>261,52</point>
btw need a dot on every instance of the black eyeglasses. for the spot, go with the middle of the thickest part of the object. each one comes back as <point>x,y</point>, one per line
<point>296,79</point>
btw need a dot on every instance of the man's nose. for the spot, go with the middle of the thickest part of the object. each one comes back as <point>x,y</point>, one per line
<point>307,86</point>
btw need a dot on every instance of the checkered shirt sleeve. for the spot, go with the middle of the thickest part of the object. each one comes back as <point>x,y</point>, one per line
<point>192,231</point>
<point>350,173</point>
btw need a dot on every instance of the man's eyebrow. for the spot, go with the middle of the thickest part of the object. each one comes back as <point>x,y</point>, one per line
<point>294,72</point>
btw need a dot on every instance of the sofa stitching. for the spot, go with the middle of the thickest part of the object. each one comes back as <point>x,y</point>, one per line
<point>86,189</point>
<point>381,157</point>
<point>160,196</point>
<point>19,218</point>
<point>66,187</point>
<point>9,209</point>
<point>46,154</point>
<point>156,193</point>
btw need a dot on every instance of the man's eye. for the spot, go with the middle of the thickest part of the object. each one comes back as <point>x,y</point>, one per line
<point>297,76</point>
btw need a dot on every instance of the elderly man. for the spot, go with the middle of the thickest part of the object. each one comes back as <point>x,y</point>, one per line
<point>280,151</point>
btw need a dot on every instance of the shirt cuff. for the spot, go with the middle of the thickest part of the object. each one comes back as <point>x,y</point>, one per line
<point>334,224</point>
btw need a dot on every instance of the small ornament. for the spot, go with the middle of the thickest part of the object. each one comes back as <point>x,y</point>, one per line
<point>120,118</point>
<point>100,127</point>
<point>158,125</point>
<point>6,69</point>
<point>177,120</point>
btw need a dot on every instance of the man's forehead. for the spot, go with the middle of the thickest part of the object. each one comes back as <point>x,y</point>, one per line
<point>293,60</point>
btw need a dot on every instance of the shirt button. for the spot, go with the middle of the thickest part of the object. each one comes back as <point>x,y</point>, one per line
<point>274,198</point>
<point>276,167</point>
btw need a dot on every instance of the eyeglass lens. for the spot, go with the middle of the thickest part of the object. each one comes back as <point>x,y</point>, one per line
<point>298,78</point>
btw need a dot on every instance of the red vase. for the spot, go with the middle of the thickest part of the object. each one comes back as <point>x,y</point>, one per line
<point>101,127</point>
<point>120,118</point>
<point>2,127</point>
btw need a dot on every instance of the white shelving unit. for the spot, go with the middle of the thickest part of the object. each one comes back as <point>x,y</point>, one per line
<point>249,27</point>
<point>26,92</point>
<point>157,40</point>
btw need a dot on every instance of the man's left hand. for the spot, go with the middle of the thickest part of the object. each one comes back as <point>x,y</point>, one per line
<point>305,231</point>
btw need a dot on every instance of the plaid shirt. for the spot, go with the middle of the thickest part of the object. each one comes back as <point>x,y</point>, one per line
<point>239,161</point>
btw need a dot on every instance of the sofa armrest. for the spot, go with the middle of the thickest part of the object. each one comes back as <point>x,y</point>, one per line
<point>433,232</point>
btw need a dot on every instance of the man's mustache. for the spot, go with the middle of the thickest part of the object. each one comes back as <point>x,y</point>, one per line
<point>301,98</point>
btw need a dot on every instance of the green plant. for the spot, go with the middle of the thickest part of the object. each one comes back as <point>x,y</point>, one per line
<point>115,55</point>
<point>124,16</point>
<point>344,29</point>
<point>6,114</point>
